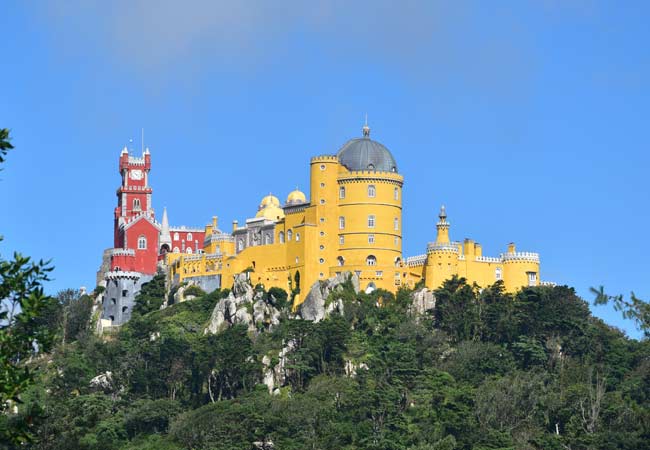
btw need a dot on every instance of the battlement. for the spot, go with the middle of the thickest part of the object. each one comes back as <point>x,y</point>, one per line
<point>416,261</point>
<point>446,247</point>
<point>520,256</point>
<point>132,188</point>
<point>184,228</point>
<point>121,274</point>
<point>488,259</point>
<point>324,158</point>
<point>135,161</point>
<point>121,252</point>
<point>359,176</point>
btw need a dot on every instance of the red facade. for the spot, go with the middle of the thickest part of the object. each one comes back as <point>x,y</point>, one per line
<point>187,241</point>
<point>135,228</point>
<point>137,235</point>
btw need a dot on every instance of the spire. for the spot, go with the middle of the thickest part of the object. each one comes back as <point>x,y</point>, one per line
<point>165,235</point>
<point>366,128</point>
<point>443,214</point>
<point>442,226</point>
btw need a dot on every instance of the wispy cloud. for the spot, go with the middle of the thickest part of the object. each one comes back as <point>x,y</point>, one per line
<point>432,39</point>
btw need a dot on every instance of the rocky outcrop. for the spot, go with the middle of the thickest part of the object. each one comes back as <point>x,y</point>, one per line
<point>423,301</point>
<point>315,306</point>
<point>275,376</point>
<point>244,306</point>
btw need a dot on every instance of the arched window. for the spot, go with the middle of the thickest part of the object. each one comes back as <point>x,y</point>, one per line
<point>176,236</point>
<point>340,260</point>
<point>188,250</point>
<point>371,260</point>
<point>372,192</point>
<point>398,261</point>
<point>289,235</point>
<point>497,273</point>
<point>240,245</point>
<point>177,250</point>
<point>341,223</point>
<point>281,237</point>
<point>396,193</point>
<point>142,243</point>
<point>342,192</point>
<point>371,221</point>
<point>136,204</point>
<point>267,239</point>
<point>396,223</point>
<point>371,288</point>
<point>189,236</point>
<point>297,237</point>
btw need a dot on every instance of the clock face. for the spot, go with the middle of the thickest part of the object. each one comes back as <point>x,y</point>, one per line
<point>136,174</point>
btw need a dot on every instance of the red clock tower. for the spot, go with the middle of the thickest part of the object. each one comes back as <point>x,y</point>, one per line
<point>135,228</point>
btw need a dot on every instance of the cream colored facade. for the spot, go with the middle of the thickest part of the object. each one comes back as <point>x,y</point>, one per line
<point>351,222</point>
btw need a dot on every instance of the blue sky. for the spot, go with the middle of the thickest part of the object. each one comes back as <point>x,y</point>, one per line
<point>529,120</point>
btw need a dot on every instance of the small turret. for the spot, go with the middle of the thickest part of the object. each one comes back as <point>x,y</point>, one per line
<point>443,227</point>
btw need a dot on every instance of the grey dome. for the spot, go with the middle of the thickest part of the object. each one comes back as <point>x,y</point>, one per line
<point>366,154</point>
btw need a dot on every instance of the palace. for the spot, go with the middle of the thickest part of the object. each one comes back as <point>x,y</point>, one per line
<point>351,222</point>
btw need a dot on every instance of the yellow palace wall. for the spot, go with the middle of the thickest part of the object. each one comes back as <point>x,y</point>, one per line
<point>319,239</point>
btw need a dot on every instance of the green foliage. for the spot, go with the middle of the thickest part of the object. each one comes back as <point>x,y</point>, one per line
<point>487,370</point>
<point>151,295</point>
<point>195,291</point>
<point>5,143</point>
<point>634,308</point>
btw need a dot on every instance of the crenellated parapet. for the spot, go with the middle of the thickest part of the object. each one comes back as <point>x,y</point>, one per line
<point>416,261</point>
<point>520,257</point>
<point>444,247</point>
<point>121,274</point>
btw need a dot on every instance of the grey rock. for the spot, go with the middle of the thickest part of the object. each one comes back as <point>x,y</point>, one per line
<point>243,306</point>
<point>313,308</point>
<point>423,301</point>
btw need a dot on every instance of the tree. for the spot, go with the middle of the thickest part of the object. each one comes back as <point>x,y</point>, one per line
<point>151,295</point>
<point>634,308</point>
<point>5,145</point>
<point>22,335</point>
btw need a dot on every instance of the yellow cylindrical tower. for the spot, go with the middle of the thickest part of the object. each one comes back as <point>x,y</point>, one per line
<point>368,222</point>
<point>442,255</point>
<point>520,269</point>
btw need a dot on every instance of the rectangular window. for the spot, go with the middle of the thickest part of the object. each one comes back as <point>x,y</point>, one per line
<point>396,224</point>
<point>371,221</point>
<point>396,193</point>
<point>341,223</point>
<point>342,192</point>
<point>372,192</point>
<point>371,239</point>
<point>532,278</point>
<point>379,273</point>
<point>341,239</point>
<point>396,241</point>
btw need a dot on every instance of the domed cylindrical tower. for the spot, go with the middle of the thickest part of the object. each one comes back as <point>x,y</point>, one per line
<point>369,225</point>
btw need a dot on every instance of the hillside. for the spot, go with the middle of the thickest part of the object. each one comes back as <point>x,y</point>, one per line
<point>460,369</point>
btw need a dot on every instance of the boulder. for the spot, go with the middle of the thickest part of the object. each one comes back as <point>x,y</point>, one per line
<point>243,306</point>
<point>314,308</point>
<point>423,301</point>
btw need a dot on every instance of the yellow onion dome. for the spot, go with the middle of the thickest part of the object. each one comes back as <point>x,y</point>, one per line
<point>271,212</point>
<point>296,197</point>
<point>269,200</point>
